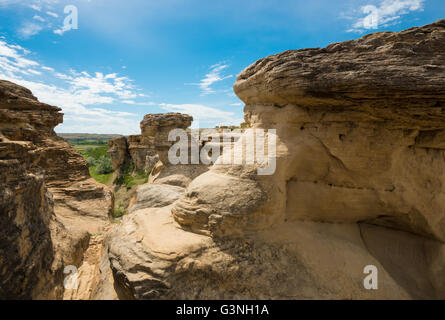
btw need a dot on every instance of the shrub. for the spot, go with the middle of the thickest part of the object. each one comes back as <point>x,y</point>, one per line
<point>119,211</point>
<point>103,165</point>
<point>91,161</point>
<point>119,180</point>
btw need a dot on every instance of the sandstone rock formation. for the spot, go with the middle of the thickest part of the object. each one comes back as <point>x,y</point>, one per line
<point>362,123</point>
<point>49,205</point>
<point>118,151</point>
<point>156,196</point>
<point>142,152</point>
<point>359,169</point>
<point>158,127</point>
<point>135,150</point>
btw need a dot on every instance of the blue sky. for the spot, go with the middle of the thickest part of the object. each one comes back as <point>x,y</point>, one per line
<point>129,58</point>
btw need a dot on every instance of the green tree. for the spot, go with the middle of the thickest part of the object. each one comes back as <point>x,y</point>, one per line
<point>91,161</point>
<point>103,165</point>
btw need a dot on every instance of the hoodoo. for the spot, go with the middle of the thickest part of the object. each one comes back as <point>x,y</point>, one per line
<point>355,208</point>
<point>358,182</point>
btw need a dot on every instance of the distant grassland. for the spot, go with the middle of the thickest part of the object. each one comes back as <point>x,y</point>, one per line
<point>97,152</point>
<point>87,137</point>
<point>93,147</point>
<point>91,150</point>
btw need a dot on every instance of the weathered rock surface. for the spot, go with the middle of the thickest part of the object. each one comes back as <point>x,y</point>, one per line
<point>157,127</point>
<point>118,151</point>
<point>135,150</point>
<point>33,242</point>
<point>156,196</point>
<point>358,181</point>
<point>49,204</point>
<point>142,152</point>
<point>386,75</point>
<point>357,152</point>
<point>152,257</point>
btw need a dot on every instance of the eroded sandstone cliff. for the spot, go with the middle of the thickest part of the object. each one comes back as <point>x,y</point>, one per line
<point>49,205</point>
<point>359,181</point>
<point>134,152</point>
<point>360,157</point>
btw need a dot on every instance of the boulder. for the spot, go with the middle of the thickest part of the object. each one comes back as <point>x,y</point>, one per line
<point>155,196</point>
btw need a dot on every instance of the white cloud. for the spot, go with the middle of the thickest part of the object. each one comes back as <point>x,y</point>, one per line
<point>203,115</point>
<point>132,102</point>
<point>35,72</point>
<point>19,48</point>
<point>38,18</point>
<point>62,30</point>
<point>29,29</point>
<point>81,95</point>
<point>52,14</point>
<point>212,77</point>
<point>237,104</point>
<point>387,13</point>
<point>85,96</point>
<point>101,84</point>
<point>13,62</point>
<point>35,7</point>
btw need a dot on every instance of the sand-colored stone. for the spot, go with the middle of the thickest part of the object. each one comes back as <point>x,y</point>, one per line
<point>358,181</point>
<point>135,150</point>
<point>49,204</point>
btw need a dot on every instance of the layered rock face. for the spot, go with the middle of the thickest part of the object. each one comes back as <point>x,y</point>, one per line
<point>167,181</point>
<point>142,152</point>
<point>158,127</point>
<point>364,133</point>
<point>118,151</point>
<point>359,181</point>
<point>135,149</point>
<point>49,204</point>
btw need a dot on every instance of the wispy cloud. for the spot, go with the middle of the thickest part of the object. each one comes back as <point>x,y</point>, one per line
<point>387,12</point>
<point>81,95</point>
<point>214,75</point>
<point>61,31</point>
<point>13,62</point>
<point>145,104</point>
<point>29,29</point>
<point>35,7</point>
<point>203,115</point>
<point>52,14</point>
<point>39,18</point>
